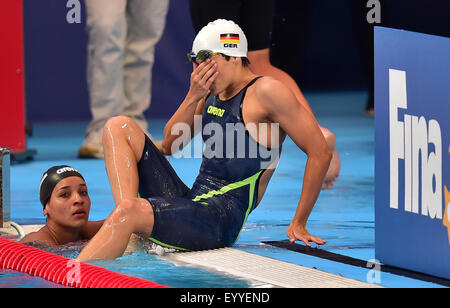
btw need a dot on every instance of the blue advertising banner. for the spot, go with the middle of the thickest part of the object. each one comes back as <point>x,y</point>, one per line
<point>412,159</point>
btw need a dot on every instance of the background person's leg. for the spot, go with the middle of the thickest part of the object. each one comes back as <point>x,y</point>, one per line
<point>146,20</point>
<point>123,141</point>
<point>260,65</point>
<point>107,29</point>
<point>259,32</point>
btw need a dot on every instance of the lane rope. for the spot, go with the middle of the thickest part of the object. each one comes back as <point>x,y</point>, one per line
<point>64,271</point>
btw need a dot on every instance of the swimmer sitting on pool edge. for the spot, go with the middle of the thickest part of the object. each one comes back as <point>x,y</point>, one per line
<point>64,196</point>
<point>212,213</point>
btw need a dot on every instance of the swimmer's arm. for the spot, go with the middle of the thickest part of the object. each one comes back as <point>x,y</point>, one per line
<point>181,121</point>
<point>282,107</point>
<point>91,229</point>
<point>201,79</point>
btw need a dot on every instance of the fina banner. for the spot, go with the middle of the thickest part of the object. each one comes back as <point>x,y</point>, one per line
<point>412,159</point>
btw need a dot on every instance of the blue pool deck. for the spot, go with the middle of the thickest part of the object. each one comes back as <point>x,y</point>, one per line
<point>343,216</point>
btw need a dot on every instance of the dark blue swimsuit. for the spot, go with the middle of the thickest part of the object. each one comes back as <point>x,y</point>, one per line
<point>212,213</point>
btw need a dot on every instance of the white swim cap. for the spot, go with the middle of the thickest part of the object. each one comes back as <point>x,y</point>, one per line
<point>222,36</point>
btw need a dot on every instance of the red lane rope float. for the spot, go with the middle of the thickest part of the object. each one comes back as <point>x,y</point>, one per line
<point>61,270</point>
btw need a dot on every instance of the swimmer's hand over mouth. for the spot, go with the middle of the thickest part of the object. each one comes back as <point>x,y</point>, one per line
<point>202,77</point>
<point>297,231</point>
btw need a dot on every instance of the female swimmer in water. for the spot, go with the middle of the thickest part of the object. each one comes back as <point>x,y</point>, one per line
<point>64,196</point>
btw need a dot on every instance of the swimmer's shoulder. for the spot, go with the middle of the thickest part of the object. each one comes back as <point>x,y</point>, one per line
<point>38,236</point>
<point>271,92</point>
<point>267,87</point>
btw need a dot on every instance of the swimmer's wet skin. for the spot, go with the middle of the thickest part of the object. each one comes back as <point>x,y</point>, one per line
<point>229,186</point>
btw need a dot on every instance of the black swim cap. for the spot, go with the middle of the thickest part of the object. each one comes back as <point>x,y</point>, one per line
<point>52,177</point>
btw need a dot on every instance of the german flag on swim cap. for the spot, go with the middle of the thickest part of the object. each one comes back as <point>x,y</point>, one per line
<point>223,36</point>
<point>229,38</point>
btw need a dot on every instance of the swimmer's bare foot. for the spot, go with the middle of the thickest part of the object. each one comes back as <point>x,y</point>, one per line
<point>335,164</point>
<point>333,171</point>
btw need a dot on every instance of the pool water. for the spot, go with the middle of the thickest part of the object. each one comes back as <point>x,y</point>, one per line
<point>11,279</point>
<point>150,267</point>
<point>138,264</point>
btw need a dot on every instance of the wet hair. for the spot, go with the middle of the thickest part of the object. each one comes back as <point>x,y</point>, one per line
<point>245,60</point>
<point>53,176</point>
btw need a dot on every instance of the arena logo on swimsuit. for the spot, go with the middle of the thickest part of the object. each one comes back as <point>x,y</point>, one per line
<point>418,143</point>
<point>215,111</point>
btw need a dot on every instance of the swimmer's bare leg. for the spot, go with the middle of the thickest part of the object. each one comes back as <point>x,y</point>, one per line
<point>123,143</point>
<point>130,216</point>
<point>260,65</point>
<point>335,164</point>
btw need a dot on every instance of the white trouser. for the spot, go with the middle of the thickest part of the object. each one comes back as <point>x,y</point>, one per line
<point>122,39</point>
